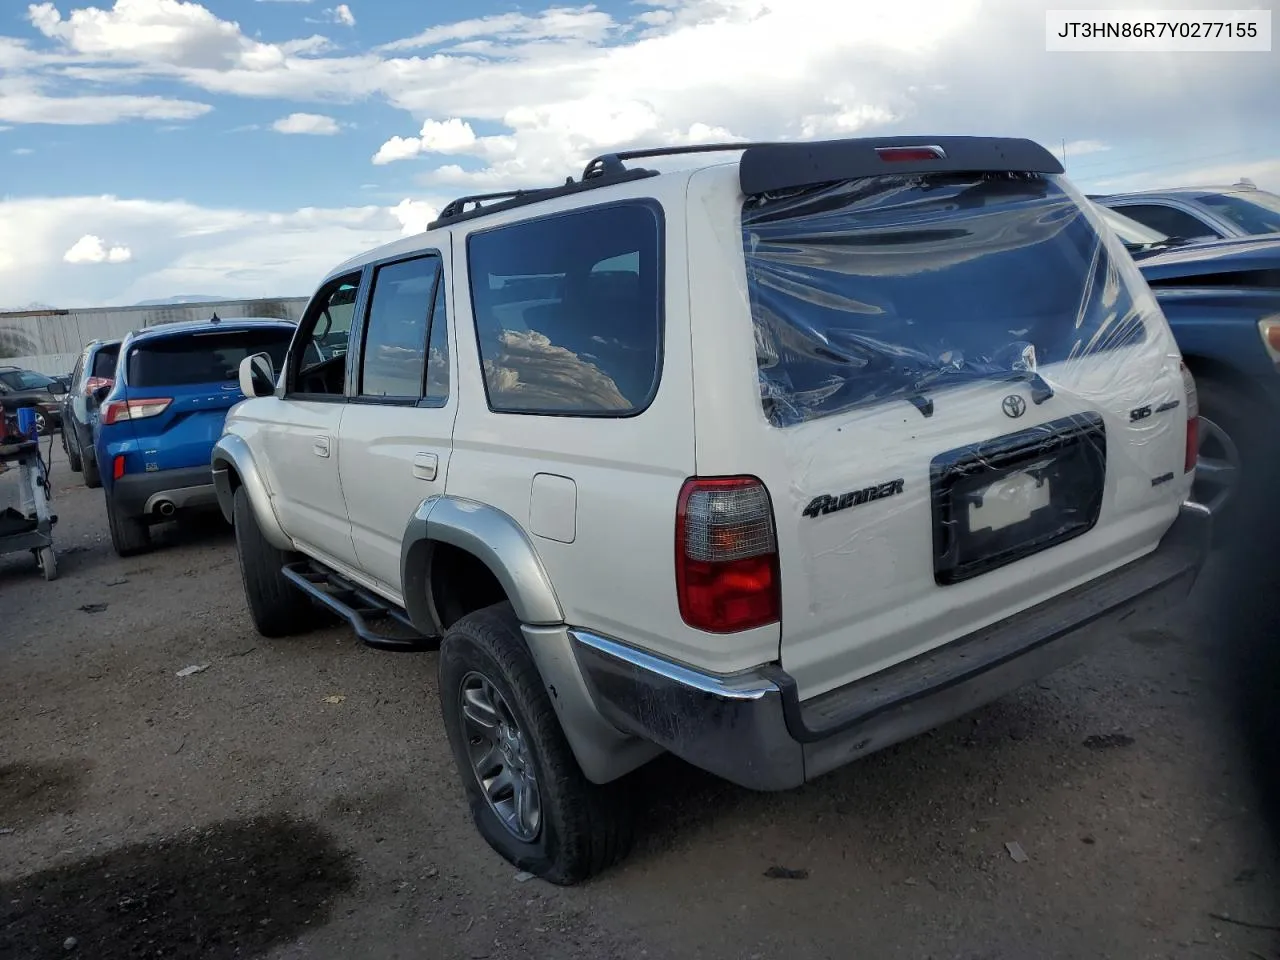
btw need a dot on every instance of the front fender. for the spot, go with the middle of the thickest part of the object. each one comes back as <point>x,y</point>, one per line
<point>232,454</point>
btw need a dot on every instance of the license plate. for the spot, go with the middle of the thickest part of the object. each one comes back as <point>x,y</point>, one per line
<point>1009,501</point>
<point>1004,499</point>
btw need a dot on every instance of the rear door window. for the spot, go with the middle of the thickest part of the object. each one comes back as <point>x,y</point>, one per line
<point>1168,220</point>
<point>104,362</point>
<point>200,358</point>
<point>568,311</point>
<point>886,289</point>
<point>1255,212</point>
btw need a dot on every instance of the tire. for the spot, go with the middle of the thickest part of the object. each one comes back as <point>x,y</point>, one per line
<point>129,535</point>
<point>92,478</point>
<point>1227,428</point>
<point>74,461</point>
<point>276,606</point>
<point>48,562</point>
<point>583,827</point>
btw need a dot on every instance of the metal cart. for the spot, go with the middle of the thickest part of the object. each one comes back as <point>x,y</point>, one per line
<point>30,526</point>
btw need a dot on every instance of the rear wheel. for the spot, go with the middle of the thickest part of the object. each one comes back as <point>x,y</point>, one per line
<point>72,449</point>
<point>129,535</point>
<point>48,562</point>
<point>1226,444</point>
<point>92,478</point>
<point>277,607</point>
<point>528,797</point>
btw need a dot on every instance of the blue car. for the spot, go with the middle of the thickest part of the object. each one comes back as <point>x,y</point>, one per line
<point>160,417</point>
<point>1222,300</point>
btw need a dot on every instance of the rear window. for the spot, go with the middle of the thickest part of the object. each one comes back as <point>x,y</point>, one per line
<point>1255,212</point>
<point>890,288</point>
<point>195,358</point>
<point>104,362</point>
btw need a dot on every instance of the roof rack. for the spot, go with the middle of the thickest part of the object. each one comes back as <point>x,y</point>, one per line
<point>612,163</point>
<point>768,166</point>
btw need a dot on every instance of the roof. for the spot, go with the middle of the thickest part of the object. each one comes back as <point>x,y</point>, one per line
<point>1186,193</point>
<point>205,326</point>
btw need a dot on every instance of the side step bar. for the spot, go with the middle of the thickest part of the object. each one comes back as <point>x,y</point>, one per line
<point>359,607</point>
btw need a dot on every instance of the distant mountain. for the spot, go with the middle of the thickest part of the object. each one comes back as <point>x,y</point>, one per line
<point>184,298</point>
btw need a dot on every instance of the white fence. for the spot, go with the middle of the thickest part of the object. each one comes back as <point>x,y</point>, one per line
<point>50,341</point>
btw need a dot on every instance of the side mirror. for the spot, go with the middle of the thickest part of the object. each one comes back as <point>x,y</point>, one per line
<point>257,379</point>
<point>58,388</point>
<point>100,393</point>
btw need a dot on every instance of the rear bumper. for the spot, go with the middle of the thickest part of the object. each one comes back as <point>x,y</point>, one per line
<point>144,494</point>
<point>753,729</point>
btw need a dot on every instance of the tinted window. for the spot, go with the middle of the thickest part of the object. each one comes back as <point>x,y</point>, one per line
<point>198,358</point>
<point>104,362</point>
<point>25,380</point>
<point>1253,212</point>
<point>1170,222</point>
<point>568,311</point>
<point>395,339</point>
<point>438,352</point>
<point>890,288</point>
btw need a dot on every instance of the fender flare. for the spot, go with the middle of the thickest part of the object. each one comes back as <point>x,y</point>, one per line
<point>232,453</point>
<point>490,535</point>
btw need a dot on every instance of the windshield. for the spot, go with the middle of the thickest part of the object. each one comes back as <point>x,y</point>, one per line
<point>882,288</point>
<point>1253,211</point>
<point>1130,231</point>
<point>202,358</point>
<point>25,380</point>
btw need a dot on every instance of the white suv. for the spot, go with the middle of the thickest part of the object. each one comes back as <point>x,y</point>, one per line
<point>769,464</point>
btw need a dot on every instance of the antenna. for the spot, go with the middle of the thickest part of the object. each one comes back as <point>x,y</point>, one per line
<point>215,318</point>
<point>1064,153</point>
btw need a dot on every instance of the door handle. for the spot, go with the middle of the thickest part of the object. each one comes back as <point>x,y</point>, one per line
<point>424,465</point>
<point>320,446</point>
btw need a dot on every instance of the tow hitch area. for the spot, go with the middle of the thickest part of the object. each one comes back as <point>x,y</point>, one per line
<point>360,608</point>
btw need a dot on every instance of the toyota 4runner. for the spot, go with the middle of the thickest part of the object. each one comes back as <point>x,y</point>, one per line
<point>767,464</point>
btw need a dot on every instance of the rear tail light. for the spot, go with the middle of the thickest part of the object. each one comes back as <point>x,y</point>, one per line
<point>727,576</point>
<point>907,154</point>
<point>1193,420</point>
<point>1269,328</point>
<point>118,410</point>
<point>95,383</point>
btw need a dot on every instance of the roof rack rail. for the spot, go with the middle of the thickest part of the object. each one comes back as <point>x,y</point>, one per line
<point>459,206</point>
<point>612,163</point>
<point>469,207</point>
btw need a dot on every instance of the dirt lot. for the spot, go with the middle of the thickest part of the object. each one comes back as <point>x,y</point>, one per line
<point>236,812</point>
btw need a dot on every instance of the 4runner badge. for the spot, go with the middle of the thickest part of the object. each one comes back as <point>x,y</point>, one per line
<point>826,503</point>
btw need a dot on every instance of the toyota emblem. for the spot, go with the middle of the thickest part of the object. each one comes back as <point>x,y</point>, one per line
<point>1013,406</point>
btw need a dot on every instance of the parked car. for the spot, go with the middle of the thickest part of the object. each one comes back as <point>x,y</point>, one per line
<point>766,463</point>
<point>94,371</point>
<point>160,417</point>
<point>19,384</point>
<point>1222,301</point>
<point>1197,213</point>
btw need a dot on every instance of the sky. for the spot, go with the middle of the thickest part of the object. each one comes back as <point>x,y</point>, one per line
<point>241,148</point>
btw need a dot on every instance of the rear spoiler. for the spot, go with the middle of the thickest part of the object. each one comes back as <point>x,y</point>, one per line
<point>769,167</point>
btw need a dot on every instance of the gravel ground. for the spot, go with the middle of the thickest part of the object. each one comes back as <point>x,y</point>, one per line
<point>241,811</point>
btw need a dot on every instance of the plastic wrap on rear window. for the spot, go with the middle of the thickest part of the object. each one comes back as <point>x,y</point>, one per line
<point>891,289</point>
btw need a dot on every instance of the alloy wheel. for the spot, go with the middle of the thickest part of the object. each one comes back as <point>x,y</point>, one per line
<point>1217,466</point>
<point>500,757</point>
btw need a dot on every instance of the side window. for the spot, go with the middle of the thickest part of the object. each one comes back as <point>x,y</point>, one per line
<point>568,311</point>
<point>75,374</point>
<point>1168,220</point>
<point>318,363</point>
<point>394,356</point>
<point>438,350</point>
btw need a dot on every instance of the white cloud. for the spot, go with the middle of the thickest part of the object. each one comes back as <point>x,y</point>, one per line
<point>177,246</point>
<point>92,249</point>
<point>1078,148</point>
<point>414,215</point>
<point>436,136</point>
<point>342,14</point>
<point>24,100</point>
<point>312,123</point>
<point>22,151</point>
